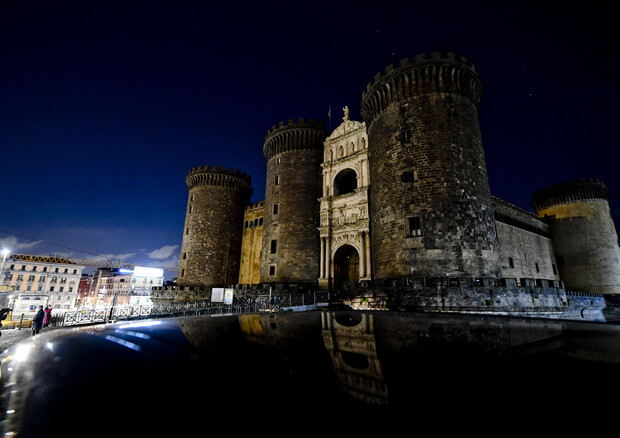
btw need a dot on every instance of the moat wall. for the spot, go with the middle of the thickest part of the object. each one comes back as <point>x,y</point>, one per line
<point>512,297</point>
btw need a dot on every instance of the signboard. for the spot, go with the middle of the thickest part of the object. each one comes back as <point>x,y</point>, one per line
<point>228,296</point>
<point>217,295</point>
<point>140,271</point>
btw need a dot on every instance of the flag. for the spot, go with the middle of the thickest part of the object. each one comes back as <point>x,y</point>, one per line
<point>329,113</point>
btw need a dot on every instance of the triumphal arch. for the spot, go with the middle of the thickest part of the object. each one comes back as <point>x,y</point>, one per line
<point>344,226</point>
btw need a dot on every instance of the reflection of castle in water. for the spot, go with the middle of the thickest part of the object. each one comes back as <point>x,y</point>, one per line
<point>350,340</point>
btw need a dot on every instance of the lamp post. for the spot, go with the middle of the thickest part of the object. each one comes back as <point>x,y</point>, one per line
<point>5,252</point>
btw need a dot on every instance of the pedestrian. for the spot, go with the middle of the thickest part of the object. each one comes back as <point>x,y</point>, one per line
<point>37,321</point>
<point>3,315</point>
<point>48,315</point>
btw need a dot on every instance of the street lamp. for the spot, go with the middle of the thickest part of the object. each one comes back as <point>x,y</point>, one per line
<point>5,252</point>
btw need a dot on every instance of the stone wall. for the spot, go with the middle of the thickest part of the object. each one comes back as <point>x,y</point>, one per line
<point>210,251</point>
<point>294,153</point>
<point>526,248</point>
<point>252,244</point>
<point>431,211</point>
<point>525,297</point>
<point>584,236</point>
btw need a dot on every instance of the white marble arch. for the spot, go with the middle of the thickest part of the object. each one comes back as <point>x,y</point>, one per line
<point>344,217</point>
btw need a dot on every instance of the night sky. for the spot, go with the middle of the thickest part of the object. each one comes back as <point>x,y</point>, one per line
<point>106,106</point>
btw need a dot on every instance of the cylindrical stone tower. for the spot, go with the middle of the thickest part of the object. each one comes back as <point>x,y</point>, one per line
<point>584,236</point>
<point>430,202</point>
<point>294,152</point>
<point>211,247</point>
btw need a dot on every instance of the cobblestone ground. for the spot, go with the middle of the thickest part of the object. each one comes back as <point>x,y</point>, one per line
<point>11,336</point>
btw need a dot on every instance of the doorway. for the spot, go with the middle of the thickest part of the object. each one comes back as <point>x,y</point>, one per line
<point>346,265</point>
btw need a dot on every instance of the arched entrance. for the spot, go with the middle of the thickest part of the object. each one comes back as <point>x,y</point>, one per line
<point>346,265</point>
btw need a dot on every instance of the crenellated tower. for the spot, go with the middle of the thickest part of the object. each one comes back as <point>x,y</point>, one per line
<point>584,236</point>
<point>294,152</point>
<point>211,247</point>
<point>430,202</point>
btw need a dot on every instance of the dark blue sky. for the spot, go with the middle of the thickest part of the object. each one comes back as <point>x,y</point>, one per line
<point>105,106</point>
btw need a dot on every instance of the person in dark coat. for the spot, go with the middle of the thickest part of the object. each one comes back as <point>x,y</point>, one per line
<point>37,321</point>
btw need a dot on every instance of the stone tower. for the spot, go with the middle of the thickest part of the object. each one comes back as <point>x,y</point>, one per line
<point>210,251</point>
<point>584,236</point>
<point>294,153</point>
<point>430,202</point>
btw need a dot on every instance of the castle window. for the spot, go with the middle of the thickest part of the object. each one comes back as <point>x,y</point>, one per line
<point>345,182</point>
<point>275,208</point>
<point>407,177</point>
<point>537,267</point>
<point>511,262</point>
<point>413,226</point>
<point>260,221</point>
<point>272,270</point>
<point>246,224</point>
<point>274,246</point>
<point>184,255</point>
<point>277,181</point>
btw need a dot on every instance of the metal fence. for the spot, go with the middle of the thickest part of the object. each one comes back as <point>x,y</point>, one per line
<point>241,304</point>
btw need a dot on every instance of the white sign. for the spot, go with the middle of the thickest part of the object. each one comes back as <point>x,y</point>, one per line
<point>140,271</point>
<point>217,295</point>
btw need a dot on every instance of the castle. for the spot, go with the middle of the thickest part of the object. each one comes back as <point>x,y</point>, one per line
<point>400,198</point>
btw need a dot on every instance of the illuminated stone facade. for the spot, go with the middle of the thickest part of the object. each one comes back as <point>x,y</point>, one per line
<point>345,224</point>
<point>41,281</point>
<point>400,198</point>
<point>211,248</point>
<point>252,244</point>
<point>584,237</point>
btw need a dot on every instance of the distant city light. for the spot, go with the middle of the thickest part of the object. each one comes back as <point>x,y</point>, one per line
<point>140,271</point>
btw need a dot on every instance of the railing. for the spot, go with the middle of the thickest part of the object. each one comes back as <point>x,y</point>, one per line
<point>242,304</point>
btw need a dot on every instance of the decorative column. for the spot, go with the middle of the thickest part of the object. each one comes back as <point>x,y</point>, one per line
<point>362,254</point>
<point>322,264</point>
<point>368,261</point>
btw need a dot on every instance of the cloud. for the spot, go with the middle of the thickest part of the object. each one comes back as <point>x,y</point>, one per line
<point>14,245</point>
<point>164,252</point>
<point>114,257</point>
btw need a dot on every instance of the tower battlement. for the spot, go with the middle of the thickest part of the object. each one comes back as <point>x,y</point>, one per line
<point>437,73</point>
<point>294,135</point>
<point>211,175</point>
<point>568,192</point>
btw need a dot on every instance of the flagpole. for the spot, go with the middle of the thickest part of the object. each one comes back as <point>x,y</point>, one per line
<point>329,116</point>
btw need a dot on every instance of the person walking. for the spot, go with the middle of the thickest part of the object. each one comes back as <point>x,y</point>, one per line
<point>48,315</point>
<point>37,321</point>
